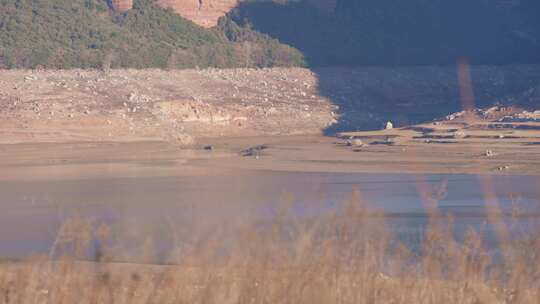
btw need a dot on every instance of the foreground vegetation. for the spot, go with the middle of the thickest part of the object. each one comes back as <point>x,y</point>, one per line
<point>348,257</point>
<point>88,34</point>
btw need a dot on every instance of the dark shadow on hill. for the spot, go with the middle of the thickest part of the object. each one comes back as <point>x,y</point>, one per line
<point>368,97</point>
<point>415,45</point>
<point>392,32</point>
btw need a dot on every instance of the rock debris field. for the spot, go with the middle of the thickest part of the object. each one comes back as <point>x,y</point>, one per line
<point>187,105</point>
<point>129,105</point>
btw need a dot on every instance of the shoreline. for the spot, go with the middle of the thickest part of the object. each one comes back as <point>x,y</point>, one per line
<point>302,154</point>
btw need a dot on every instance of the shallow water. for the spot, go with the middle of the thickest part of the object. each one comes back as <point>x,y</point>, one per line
<point>32,211</point>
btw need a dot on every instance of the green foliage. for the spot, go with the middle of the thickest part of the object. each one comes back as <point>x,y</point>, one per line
<point>259,49</point>
<point>86,34</point>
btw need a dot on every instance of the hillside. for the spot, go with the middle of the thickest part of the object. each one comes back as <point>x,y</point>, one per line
<point>152,104</point>
<point>265,33</point>
<point>204,13</point>
<point>393,32</point>
<point>207,13</point>
<point>88,34</point>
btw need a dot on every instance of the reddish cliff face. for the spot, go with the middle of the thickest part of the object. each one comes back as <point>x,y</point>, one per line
<point>122,5</point>
<point>203,12</point>
<point>207,12</point>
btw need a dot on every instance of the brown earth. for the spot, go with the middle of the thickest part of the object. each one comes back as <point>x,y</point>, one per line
<point>59,106</point>
<point>61,123</point>
<point>410,150</point>
<point>122,5</point>
<point>203,12</point>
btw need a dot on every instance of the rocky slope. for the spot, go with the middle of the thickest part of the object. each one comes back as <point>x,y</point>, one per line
<point>182,106</point>
<point>126,105</point>
<point>122,5</point>
<point>203,12</point>
<point>207,12</point>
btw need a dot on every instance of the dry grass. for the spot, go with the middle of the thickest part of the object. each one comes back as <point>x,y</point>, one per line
<point>347,257</point>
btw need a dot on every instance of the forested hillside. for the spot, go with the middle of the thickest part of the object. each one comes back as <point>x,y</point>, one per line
<point>263,33</point>
<point>88,34</point>
<point>397,32</point>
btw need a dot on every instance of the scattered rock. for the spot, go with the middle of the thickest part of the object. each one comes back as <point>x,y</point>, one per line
<point>355,142</point>
<point>185,139</point>
<point>30,78</point>
<point>253,151</point>
<point>208,147</point>
<point>524,116</point>
<point>459,135</point>
<point>132,97</point>
<point>491,110</point>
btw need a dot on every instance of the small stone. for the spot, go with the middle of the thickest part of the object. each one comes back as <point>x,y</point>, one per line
<point>355,142</point>
<point>459,134</point>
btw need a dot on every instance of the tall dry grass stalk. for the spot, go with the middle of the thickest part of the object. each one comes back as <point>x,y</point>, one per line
<point>345,257</point>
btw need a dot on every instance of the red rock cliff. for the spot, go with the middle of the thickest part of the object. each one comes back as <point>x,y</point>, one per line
<point>203,12</point>
<point>207,12</point>
<point>122,5</point>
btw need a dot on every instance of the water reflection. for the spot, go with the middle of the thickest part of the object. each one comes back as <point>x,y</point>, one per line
<point>33,211</point>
